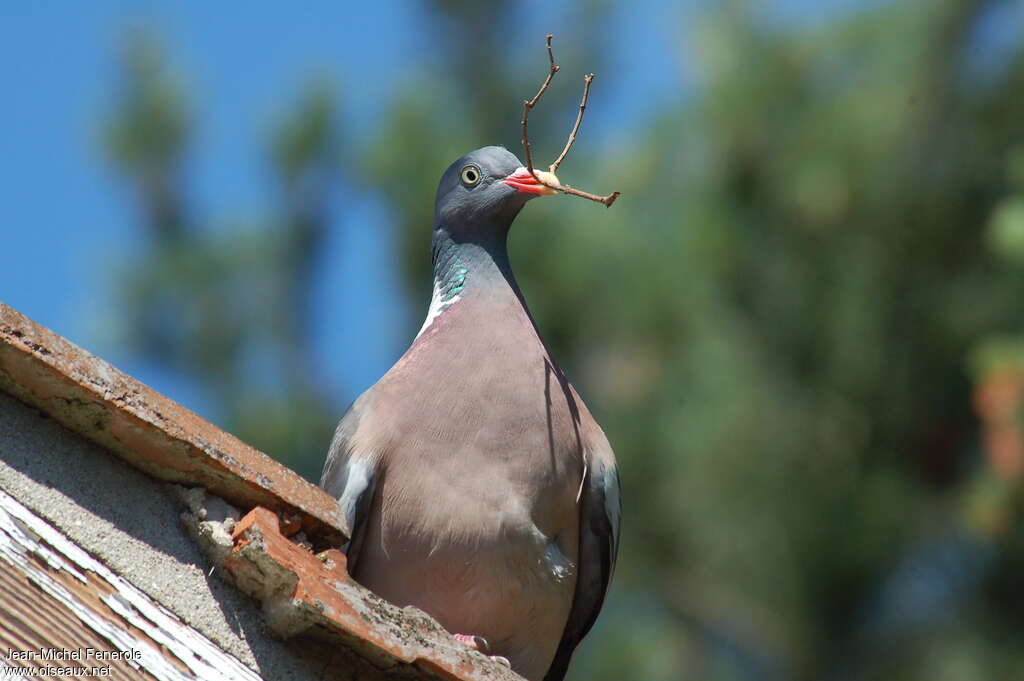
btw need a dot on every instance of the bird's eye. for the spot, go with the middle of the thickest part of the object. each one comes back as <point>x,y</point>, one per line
<point>470,176</point>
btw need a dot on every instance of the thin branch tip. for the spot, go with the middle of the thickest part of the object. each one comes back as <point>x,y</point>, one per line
<point>530,103</point>
<point>587,80</point>
<point>528,106</point>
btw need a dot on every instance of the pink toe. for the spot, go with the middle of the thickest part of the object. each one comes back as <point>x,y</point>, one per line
<point>474,642</point>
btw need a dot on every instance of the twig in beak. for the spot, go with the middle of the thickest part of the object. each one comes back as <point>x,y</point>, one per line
<point>566,189</point>
<point>529,104</point>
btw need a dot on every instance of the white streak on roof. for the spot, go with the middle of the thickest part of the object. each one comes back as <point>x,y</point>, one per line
<point>23,534</point>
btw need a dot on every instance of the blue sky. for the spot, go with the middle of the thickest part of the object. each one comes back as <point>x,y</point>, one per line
<point>67,221</point>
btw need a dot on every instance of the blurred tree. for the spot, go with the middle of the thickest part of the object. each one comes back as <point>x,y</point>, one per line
<point>229,307</point>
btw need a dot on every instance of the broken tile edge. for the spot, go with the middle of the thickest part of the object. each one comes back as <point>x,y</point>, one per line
<point>302,592</point>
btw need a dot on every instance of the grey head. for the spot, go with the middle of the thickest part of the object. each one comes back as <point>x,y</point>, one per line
<point>477,199</point>
<point>482,192</point>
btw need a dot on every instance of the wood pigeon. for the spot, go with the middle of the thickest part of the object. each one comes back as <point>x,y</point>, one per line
<point>476,484</point>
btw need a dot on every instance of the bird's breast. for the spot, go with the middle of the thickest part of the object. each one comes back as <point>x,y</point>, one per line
<point>475,516</point>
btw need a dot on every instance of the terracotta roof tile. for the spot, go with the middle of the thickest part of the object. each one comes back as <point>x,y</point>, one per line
<point>148,430</point>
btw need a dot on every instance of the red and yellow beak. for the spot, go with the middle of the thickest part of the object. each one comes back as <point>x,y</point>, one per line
<point>522,181</point>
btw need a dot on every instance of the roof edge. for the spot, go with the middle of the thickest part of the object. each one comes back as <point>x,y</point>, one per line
<point>151,432</point>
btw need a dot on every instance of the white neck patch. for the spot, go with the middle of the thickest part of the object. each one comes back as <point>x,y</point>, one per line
<point>437,306</point>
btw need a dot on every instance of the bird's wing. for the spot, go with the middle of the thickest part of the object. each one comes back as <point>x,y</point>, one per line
<point>350,475</point>
<point>599,545</point>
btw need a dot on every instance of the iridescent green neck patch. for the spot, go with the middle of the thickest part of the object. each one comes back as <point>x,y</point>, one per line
<point>454,284</point>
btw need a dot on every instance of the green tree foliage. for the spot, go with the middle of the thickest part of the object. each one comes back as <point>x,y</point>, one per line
<point>228,304</point>
<point>773,324</point>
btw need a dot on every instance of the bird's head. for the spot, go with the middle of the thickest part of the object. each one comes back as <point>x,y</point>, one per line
<point>485,189</point>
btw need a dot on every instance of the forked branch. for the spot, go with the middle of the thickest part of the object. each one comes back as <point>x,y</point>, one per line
<point>549,179</point>
<point>587,80</point>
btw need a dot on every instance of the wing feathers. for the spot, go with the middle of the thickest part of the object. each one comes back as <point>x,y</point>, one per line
<point>599,544</point>
<point>350,477</point>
